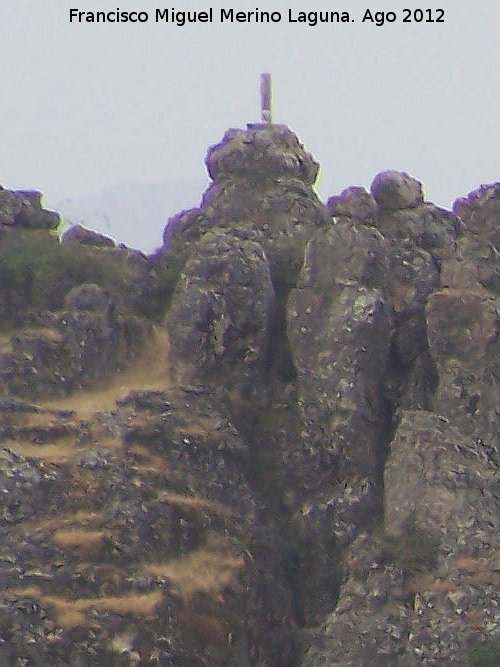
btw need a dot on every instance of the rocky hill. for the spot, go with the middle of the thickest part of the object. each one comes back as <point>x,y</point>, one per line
<point>273,443</point>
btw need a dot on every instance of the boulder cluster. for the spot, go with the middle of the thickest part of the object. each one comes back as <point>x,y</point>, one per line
<point>294,456</point>
<point>376,325</point>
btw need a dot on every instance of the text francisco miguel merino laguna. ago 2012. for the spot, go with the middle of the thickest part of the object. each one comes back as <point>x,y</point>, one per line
<point>228,15</point>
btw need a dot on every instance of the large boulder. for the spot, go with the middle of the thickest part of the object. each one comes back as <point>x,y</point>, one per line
<point>261,152</point>
<point>356,203</point>
<point>396,190</point>
<point>24,209</point>
<point>422,590</point>
<point>80,234</point>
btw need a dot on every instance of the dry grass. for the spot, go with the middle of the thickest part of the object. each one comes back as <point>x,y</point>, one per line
<point>476,571</point>
<point>5,338</point>
<point>71,613</point>
<point>194,502</point>
<point>476,618</point>
<point>205,570</point>
<point>80,518</point>
<point>46,332</point>
<point>50,453</point>
<point>486,578</point>
<point>49,334</point>
<point>470,565</point>
<point>82,538</point>
<point>60,453</point>
<point>428,583</point>
<point>147,371</point>
<point>42,418</point>
<point>150,462</point>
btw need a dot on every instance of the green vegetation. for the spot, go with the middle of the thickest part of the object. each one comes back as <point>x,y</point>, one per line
<point>485,654</point>
<point>37,271</point>
<point>415,550</point>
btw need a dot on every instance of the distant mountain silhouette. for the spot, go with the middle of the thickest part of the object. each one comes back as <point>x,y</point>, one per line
<point>133,213</point>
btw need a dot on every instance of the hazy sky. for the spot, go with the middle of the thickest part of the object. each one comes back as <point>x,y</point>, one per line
<point>88,105</point>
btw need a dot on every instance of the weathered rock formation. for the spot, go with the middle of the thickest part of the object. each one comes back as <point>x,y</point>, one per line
<point>274,443</point>
<point>80,234</point>
<point>23,208</point>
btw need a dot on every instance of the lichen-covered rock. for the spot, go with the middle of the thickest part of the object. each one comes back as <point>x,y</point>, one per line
<point>421,239</point>
<point>10,207</point>
<point>73,348</point>
<point>180,234</point>
<point>183,229</point>
<point>475,261</point>
<point>287,213</point>
<point>219,317</point>
<point>80,234</point>
<point>260,152</point>
<point>339,328</point>
<point>421,593</point>
<point>262,179</point>
<point>442,480</point>
<point>356,203</point>
<point>371,622</point>
<point>396,190</point>
<point>480,212</point>
<point>23,208</point>
<point>427,226</point>
<point>463,331</point>
<point>446,484</point>
<point>300,470</point>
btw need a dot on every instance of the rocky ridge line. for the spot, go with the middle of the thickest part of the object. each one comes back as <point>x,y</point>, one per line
<point>318,436</point>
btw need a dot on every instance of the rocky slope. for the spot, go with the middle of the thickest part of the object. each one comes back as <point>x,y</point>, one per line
<point>272,443</point>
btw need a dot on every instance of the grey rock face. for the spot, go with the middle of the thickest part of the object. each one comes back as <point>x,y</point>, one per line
<point>480,212</point>
<point>24,209</point>
<point>448,485</point>
<point>444,481</point>
<point>421,239</point>
<point>262,152</point>
<point>262,180</point>
<point>219,316</point>
<point>72,348</point>
<point>80,234</point>
<point>440,477</point>
<point>339,329</point>
<point>354,202</point>
<point>318,482</point>
<point>183,229</point>
<point>377,634</point>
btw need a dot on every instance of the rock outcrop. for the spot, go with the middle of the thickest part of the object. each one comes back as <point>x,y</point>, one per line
<point>23,208</point>
<point>419,590</point>
<point>80,234</point>
<point>273,443</point>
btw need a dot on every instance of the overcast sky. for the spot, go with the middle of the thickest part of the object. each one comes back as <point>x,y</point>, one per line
<point>86,105</point>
